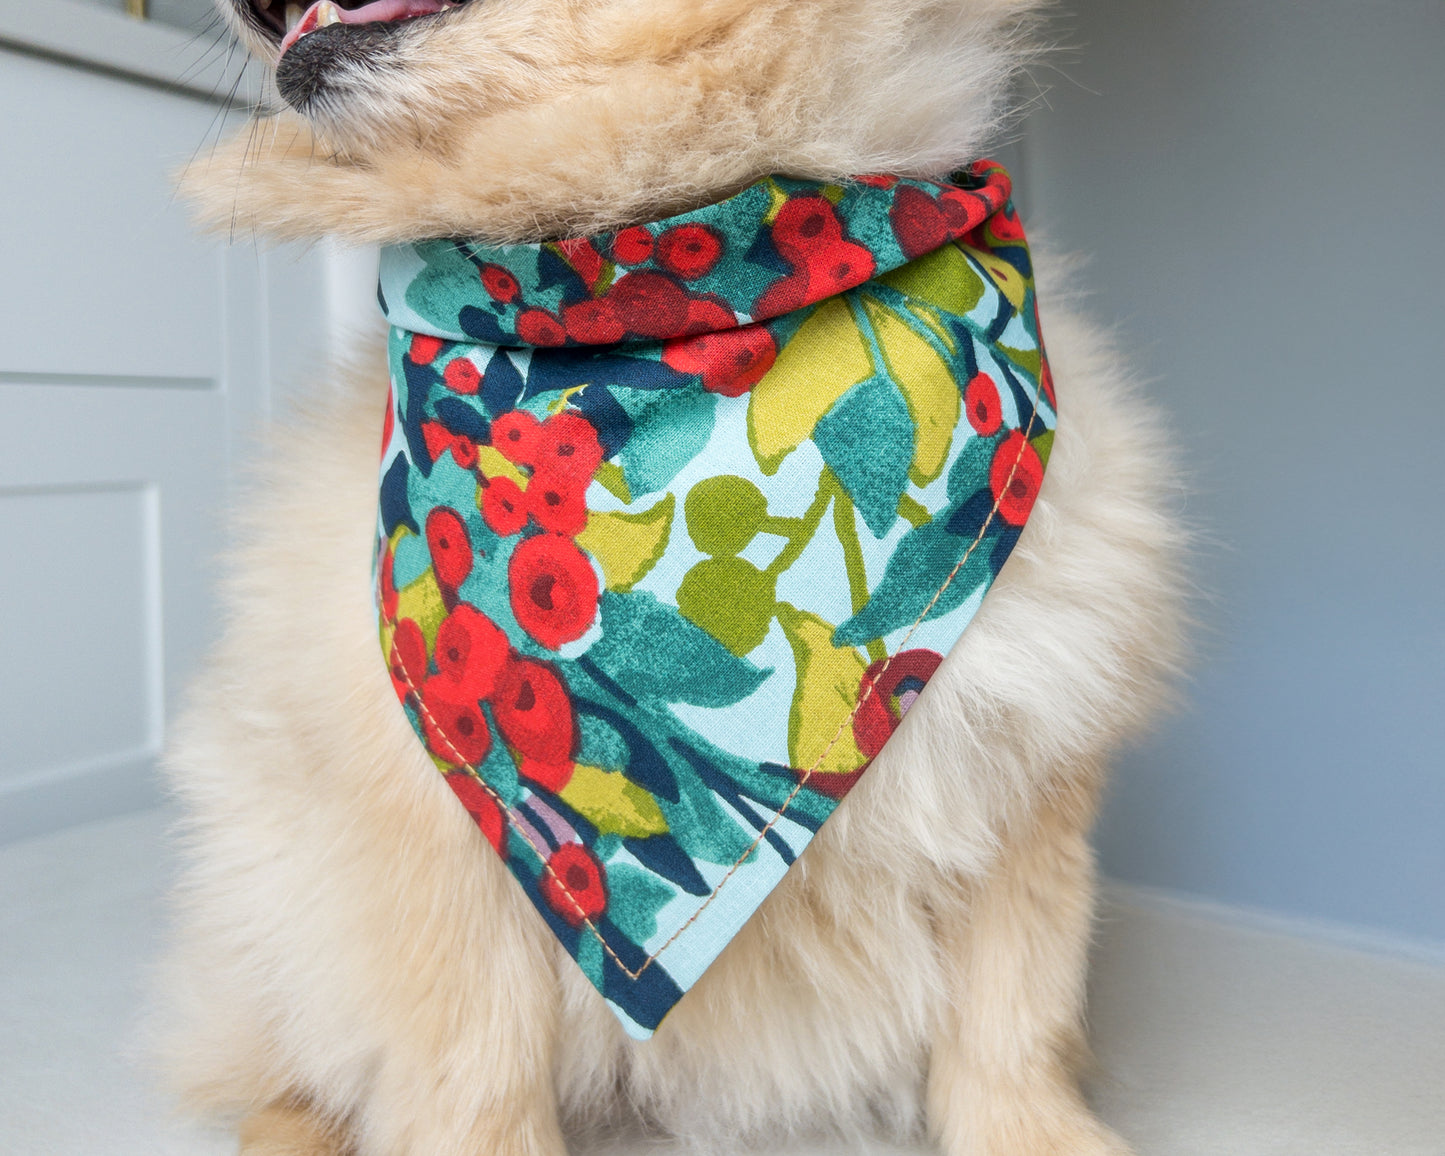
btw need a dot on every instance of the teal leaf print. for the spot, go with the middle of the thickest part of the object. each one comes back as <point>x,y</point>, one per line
<point>651,651</point>
<point>867,440</point>
<point>925,558</point>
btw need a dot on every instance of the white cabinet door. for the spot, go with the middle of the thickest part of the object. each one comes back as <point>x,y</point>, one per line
<point>135,360</point>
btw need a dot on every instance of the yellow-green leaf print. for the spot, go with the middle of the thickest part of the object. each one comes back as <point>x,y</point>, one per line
<point>613,803</point>
<point>927,386</point>
<point>628,545</point>
<point>825,358</point>
<point>945,278</point>
<point>422,602</point>
<point>820,729</point>
<point>1009,280</point>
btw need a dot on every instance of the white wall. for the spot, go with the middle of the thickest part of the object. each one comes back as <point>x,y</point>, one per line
<point>137,360</point>
<point>1261,188</point>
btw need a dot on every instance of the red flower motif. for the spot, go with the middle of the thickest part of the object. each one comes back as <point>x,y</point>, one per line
<point>568,448</point>
<point>538,327</point>
<point>439,439</point>
<point>649,304</point>
<point>705,316</point>
<point>455,729</point>
<point>689,251</point>
<point>407,660</point>
<point>504,506</point>
<point>558,503</point>
<point>481,805</point>
<point>514,434</point>
<point>424,348</point>
<point>389,596</point>
<point>918,222</point>
<point>450,546</point>
<point>583,258</point>
<point>808,234</point>
<point>961,209</point>
<point>632,246</point>
<point>500,283</point>
<point>573,884</point>
<point>549,776</point>
<point>534,712</point>
<point>593,322</point>
<point>888,688</point>
<point>1014,477</point>
<point>470,650</point>
<point>388,423</point>
<point>805,222</point>
<point>462,375</point>
<point>1006,226</point>
<point>731,362</point>
<point>877,180</point>
<point>980,399</point>
<point>553,589</point>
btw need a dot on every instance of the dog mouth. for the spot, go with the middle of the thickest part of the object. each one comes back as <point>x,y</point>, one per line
<point>286,23</point>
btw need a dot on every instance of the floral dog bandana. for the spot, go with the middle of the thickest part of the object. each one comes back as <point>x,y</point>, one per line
<point>676,523</point>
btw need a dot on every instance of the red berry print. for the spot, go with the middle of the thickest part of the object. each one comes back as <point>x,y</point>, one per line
<point>689,251</point>
<point>887,690</point>
<point>534,712</point>
<point>1014,477</point>
<point>470,650</point>
<point>553,589</point>
<point>424,348</point>
<point>408,658</point>
<point>450,546</point>
<point>632,246</point>
<point>980,400</point>
<point>389,596</point>
<point>808,234</point>
<point>462,375</point>
<point>806,222</point>
<point>455,729</point>
<point>514,435</point>
<point>439,440</point>
<point>552,777</point>
<point>481,805</point>
<point>704,316</point>
<point>649,304</point>
<point>1006,226</point>
<point>731,362</point>
<point>568,448</point>
<point>583,258</point>
<point>504,506</point>
<point>573,884</point>
<point>593,322</point>
<point>538,327</point>
<point>500,284</point>
<point>918,222</point>
<point>558,504</point>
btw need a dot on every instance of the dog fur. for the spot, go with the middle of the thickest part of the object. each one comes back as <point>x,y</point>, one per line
<point>353,971</point>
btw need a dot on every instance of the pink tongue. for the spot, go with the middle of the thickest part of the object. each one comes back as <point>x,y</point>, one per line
<point>377,12</point>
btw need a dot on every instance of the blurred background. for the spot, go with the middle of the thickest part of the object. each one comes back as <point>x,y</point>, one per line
<point>1258,191</point>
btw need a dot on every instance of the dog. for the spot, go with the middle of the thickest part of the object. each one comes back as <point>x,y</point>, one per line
<point>352,970</point>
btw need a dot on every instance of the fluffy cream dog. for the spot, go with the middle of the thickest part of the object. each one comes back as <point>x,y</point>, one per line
<point>353,970</point>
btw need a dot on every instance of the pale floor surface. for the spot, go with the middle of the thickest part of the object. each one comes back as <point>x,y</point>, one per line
<point>1212,1038</point>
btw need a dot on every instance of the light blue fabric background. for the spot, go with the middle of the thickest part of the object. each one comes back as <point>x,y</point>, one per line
<point>1261,189</point>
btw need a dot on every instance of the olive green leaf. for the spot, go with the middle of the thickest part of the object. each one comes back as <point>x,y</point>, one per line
<point>820,728</point>
<point>628,545</point>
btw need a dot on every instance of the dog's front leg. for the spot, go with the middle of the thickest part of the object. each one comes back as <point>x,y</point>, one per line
<point>1002,1079</point>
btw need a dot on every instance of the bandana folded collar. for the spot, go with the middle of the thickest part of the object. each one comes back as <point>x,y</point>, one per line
<point>676,523</point>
